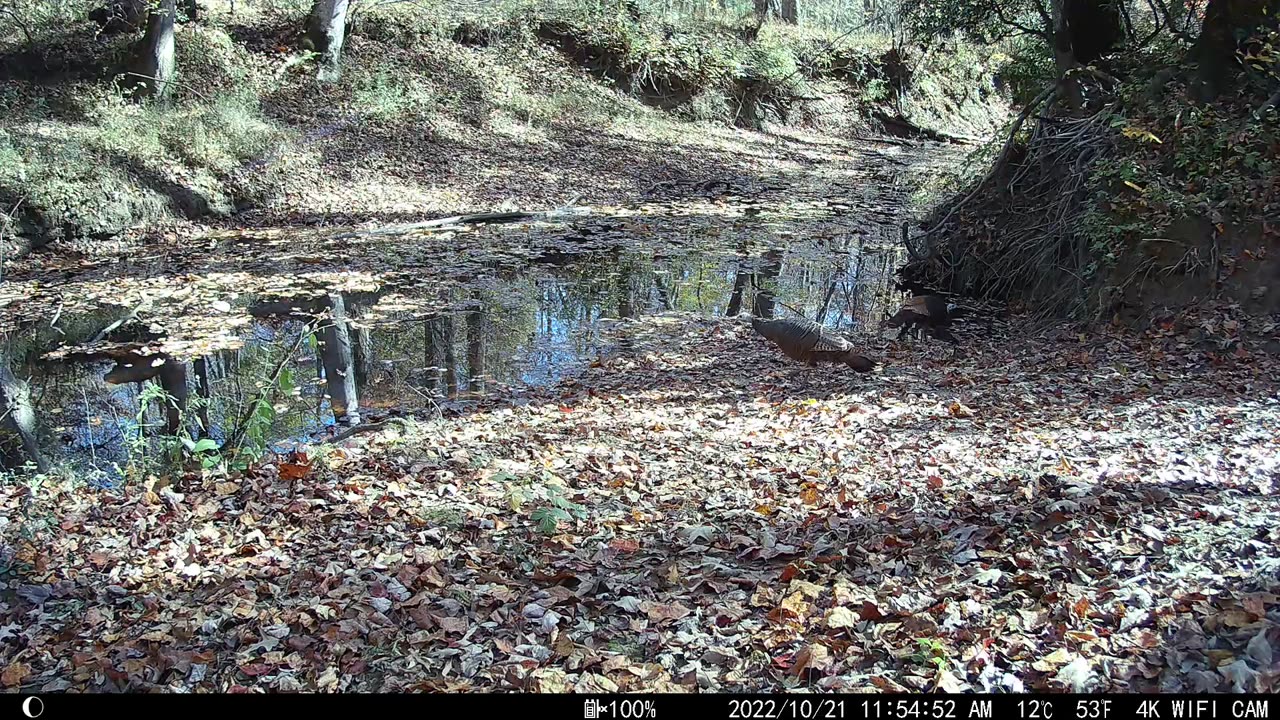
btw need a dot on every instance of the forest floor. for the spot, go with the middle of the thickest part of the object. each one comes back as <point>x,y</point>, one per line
<point>1021,513</point>
<point>1031,510</point>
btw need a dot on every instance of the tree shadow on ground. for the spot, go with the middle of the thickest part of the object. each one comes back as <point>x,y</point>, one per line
<point>1022,564</point>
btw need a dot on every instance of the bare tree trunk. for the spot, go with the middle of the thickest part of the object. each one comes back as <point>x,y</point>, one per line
<point>19,413</point>
<point>740,279</point>
<point>1063,57</point>
<point>364,354</point>
<point>173,379</point>
<point>326,31</point>
<point>448,334</point>
<point>1226,23</point>
<point>339,364</point>
<point>1096,27</point>
<point>626,308</point>
<point>433,351</point>
<point>204,391</point>
<point>156,64</point>
<point>789,11</point>
<point>763,305</point>
<point>664,294</point>
<point>476,325</point>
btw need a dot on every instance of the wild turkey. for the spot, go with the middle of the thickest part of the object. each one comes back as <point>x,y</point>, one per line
<point>810,343</point>
<point>930,312</point>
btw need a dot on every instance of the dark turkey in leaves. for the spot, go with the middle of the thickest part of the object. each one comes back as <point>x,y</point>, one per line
<point>929,312</point>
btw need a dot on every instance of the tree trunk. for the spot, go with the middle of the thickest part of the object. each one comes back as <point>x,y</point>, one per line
<point>204,391</point>
<point>19,413</point>
<point>740,279</point>
<point>191,9</point>
<point>448,335</point>
<point>763,305</point>
<point>626,308</point>
<point>1096,27</point>
<point>326,31</point>
<point>1064,58</point>
<point>1225,23</point>
<point>120,16</point>
<point>156,65</point>
<point>476,322</point>
<point>339,364</point>
<point>664,294</point>
<point>364,354</point>
<point>173,379</point>
<point>433,352</point>
<point>789,12</point>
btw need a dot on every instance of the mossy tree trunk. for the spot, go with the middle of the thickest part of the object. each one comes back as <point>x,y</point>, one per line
<point>326,32</point>
<point>156,65</point>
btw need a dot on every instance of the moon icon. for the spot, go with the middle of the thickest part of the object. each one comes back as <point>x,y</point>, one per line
<point>33,707</point>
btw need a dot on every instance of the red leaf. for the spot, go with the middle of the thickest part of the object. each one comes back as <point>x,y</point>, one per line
<point>871,612</point>
<point>256,669</point>
<point>789,572</point>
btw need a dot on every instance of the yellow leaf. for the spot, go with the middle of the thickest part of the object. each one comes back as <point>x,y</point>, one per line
<point>1137,133</point>
<point>809,495</point>
<point>1135,187</point>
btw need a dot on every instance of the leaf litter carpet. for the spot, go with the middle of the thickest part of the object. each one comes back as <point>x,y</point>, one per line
<point>699,514</point>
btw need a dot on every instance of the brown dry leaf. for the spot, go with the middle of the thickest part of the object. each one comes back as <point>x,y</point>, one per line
<point>454,625</point>
<point>625,545</point>
<point>296,466</point>
<point>665,612</point>
<point>14,674</point>
<point>1081,608</point>
<point>811,657</point>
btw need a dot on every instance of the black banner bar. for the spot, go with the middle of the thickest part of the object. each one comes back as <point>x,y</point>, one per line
<point>789,706</point>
